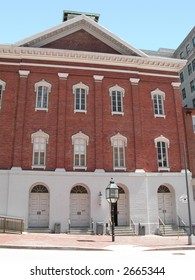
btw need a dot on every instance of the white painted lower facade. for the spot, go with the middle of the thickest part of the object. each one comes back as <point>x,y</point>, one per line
<point>44,198</point>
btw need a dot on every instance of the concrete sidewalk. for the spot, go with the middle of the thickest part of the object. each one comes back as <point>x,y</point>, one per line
<point>90,242</point>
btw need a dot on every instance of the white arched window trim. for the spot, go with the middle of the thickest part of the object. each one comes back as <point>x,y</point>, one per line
<point>158,103</point>
<point>80,142</point>
<point>39,140</point>
<point>79,105</point>
<point>116,107</point>
<point>162,145</point>
<point>2,84</point>
<point>119,142</point>
<point>41,98</point>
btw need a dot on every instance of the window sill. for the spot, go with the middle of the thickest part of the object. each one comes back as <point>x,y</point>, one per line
<point>41,109</point>
<point>38,167</point>
<point>163,169</point>
<point>80,168</point>
<point>120,168</point>
<point>160,116</point>
<point>118,113</point>
<point>80,111</point>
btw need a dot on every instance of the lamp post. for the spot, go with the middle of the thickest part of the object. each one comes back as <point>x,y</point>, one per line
<point>112,195</point>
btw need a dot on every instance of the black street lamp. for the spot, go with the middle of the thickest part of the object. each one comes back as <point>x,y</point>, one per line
<point>112,195</point>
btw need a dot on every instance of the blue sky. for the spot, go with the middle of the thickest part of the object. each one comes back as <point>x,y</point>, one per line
<point>144,24</point>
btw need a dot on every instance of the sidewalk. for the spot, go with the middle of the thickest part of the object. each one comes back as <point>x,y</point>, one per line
<point>90,242</point>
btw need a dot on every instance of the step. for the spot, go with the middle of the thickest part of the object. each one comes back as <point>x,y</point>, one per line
<point>171,230</point>
<point>123,231</point>
<point>80,230</point>
<point>39,230</point>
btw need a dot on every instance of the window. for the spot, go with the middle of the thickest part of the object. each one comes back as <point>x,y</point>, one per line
<point>158,98</point>
<point>183,93</point>
<point>2,88</point>
<point>80,142</point>
<point>39,140</point>
<point>80,92</point>
<point>181,55</point>
<point>181,77</point>
<point>193,41</point>
<point>119,142</point>
<point>188,49</point>
<point>192,86</point>
<point>193,123</point>
<point>193,64</point>
<point>42,90</point>
<point>162,145</point>
<point>193,103</point>
<point>189,69</point>
<point>117,94</point>
<point>193,190</point>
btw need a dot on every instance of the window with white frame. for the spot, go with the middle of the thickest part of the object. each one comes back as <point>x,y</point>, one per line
<point>193,123</point>
<point>117,94</point>
<point>39,140</point>
<point>119,142</point>
<point>2,88</point>
<point>193,190</point>
<point>42,90</point>
<point>158,98</point>
<point>80,142</point>
<point>162,144</point>
<point>80,92</point>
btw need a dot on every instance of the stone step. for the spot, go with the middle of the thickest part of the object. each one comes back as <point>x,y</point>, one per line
<point>80,230</point>
<point>123,231</point>
<point>39,230</point>
<point>171,230</point>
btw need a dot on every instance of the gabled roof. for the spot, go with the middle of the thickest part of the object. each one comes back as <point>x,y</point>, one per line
<point>81,22</point>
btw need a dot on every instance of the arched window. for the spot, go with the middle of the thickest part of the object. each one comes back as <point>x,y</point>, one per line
<point>42,90</point>
<point>80,92</point>
<point>162,144</point>
<point>119,142</point>
<point>117,94</point>
<point>39,189</point>
<point>39,140</point>
<point>78,189</point>
<point>163,189</point>
<point>2,88</point>
<point>80,142</point>
<point>158,98</point>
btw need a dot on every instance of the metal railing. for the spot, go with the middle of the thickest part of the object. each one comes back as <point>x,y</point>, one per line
<point>11,224</point>
<point>162,223</point>
<point>132,225</point>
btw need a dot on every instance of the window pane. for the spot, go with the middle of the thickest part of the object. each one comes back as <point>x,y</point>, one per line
<point>39,97</point>
<point>45,96</point>
<point>116,157</point>
<point>36,157</point>
<point>42,157</point>
<point>119,101</point>
<point>76,157</point>
<point>114,101</point>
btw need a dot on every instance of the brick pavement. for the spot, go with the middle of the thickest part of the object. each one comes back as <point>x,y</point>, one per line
<point>68,241</point>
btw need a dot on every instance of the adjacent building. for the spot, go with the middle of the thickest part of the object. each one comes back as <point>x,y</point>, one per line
<point>186,50</point>
<point>79,106</point>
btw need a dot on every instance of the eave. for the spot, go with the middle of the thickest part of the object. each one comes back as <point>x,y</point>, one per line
<point>55,55</point>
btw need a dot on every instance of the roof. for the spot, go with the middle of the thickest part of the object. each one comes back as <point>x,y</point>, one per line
<point>81,22</point>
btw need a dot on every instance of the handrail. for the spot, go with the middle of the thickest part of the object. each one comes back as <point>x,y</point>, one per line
<point>132,225</point>
<point>11,224</point>
<point>162,223</point>
<point>181,222</point>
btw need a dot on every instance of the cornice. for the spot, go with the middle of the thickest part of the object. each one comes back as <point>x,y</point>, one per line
<point>43,54</point>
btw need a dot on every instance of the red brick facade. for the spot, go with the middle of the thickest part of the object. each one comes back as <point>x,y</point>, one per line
<point>19,119</point>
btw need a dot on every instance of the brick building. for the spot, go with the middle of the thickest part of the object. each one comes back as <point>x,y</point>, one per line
<point>78,106</point>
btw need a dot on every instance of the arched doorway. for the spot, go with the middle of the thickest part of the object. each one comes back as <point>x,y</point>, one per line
<point>121,217</point>
<point>79,207</point>
<point>39,207</point>
<point>165,205</point>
